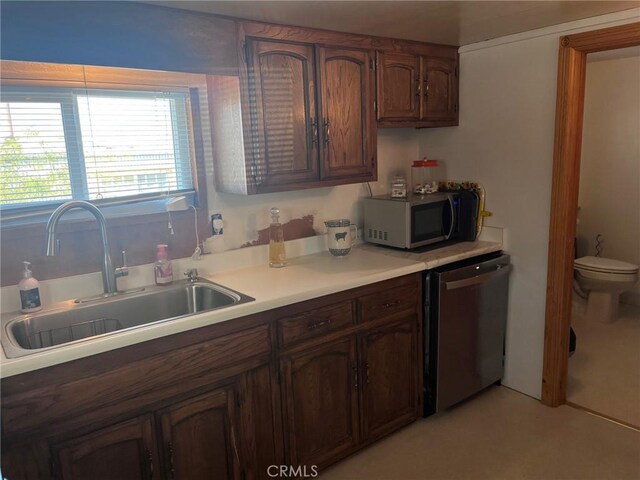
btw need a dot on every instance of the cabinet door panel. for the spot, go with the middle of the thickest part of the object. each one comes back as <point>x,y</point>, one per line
<point>390,386</point>
<point>398,86</point>
<point>440,89</point>
<point>320,392</point>
<point>283,91</point>
<point>124,451</point>
<point>346,117</point>
<point>200,437</point>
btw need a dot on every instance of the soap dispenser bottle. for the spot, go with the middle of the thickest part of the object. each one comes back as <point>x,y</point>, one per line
<point>277,256</point>
<point>163,268</point>
<point>29,291</point>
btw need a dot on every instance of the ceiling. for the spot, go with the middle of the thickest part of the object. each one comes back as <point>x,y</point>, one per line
<point>448,22</point>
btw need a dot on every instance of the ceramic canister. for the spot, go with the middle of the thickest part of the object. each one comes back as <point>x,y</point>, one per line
<point>340,236</point>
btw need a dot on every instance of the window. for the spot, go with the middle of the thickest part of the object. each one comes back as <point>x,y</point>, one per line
<point>58,144</point>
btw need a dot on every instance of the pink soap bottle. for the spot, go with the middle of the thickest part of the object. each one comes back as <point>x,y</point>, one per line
<point>163,268</point>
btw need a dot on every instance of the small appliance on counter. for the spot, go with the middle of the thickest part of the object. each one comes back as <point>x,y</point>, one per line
<point>421,220</point>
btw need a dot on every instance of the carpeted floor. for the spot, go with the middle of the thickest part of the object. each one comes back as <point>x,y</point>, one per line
<point>500,434</point>
<point>604,373</point>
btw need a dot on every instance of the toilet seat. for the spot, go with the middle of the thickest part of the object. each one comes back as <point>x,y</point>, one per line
<point>608,276</point>
<point>604,279</point>
<point>605,265</point>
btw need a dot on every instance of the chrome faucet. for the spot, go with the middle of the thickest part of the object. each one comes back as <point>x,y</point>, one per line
<point>109,275</point>
<point>192,275</point>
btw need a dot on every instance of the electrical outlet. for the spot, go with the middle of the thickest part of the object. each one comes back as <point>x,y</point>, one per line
<point>216,224</point>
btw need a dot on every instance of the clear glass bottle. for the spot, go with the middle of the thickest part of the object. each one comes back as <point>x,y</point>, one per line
<point>277,256</point>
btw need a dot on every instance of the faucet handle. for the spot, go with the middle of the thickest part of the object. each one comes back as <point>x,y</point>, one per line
<point>191,274</point>
<point>123,271</point>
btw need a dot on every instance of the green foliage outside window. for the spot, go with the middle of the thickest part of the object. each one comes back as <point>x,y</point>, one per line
<point>24,178</point>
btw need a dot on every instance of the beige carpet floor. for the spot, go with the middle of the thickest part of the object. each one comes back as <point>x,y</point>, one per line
<point>500,434</point>
<point>604,373</point>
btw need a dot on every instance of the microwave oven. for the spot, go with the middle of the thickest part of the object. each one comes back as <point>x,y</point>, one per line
<point>420,220</point>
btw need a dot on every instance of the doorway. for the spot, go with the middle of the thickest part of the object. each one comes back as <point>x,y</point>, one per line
<point>564,196</point>
<point>604,370</point>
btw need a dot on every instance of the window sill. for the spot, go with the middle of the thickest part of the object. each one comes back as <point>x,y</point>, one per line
<point>78,219</point>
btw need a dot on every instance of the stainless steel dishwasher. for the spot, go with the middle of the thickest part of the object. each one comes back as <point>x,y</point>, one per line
<point>465,315</point>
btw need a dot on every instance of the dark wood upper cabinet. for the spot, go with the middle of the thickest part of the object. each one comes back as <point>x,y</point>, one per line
<point>282,88</point>
<point>306,113</point>
<point>440,89</point>
<point>417,90</point>
<point>320,394</point>
<point>390,363</point>
<point>304,110</point>
<point>398,86</point>
<point>200,437</point>
<point>125,451</point>
<point>348,126</point>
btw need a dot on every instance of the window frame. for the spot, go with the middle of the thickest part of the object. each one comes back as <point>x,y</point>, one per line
<point>81,77</point>
<point>136,231</point>
<point>67,98</point>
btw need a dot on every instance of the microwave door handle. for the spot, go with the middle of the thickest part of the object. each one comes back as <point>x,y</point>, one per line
<point>453,218</point>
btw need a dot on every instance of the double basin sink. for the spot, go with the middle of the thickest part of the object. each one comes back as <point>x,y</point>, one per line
<point>73,321</point>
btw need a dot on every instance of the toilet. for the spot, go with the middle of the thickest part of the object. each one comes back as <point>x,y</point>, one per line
<point>604,279</point>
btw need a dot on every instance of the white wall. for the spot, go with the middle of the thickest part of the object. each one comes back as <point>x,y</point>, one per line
<point>505,141</point>
<point>245,215</point>
<point>610,165</point>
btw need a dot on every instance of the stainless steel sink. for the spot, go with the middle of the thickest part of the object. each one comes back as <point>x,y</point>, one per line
<point>70,322</point>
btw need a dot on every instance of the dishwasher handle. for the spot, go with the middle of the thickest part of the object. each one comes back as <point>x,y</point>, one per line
<point>499,271</point>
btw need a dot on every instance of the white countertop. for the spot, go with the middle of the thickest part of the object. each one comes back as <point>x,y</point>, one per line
<point>435,257</point>
<point>304,278</point>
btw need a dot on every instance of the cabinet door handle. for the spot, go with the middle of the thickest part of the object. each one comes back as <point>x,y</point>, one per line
<point>355,377</point>
<point>149,462</point>
<point>391,304</point>
<point>313,326</point>
<point>327,132</point>
<point>233,444</point>
<point>426,88</point>
<point>314,132</point>
<point>418,87</point>
<point>171,469</point>
<point>366,366</point>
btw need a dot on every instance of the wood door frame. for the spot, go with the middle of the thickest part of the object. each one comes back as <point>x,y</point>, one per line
<point>564,196</point>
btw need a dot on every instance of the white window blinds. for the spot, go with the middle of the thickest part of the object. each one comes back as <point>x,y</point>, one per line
<point>97,145</point>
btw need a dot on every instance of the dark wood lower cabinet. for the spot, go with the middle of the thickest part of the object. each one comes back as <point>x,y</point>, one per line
<point>390,387</point>
<point>302,385</point>
<point>200,437</point>
<point>125,451</point>
<point>350,385</point>
<point>321,402</point>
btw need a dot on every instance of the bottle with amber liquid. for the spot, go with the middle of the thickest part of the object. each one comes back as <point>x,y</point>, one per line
<point>277,256</point>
